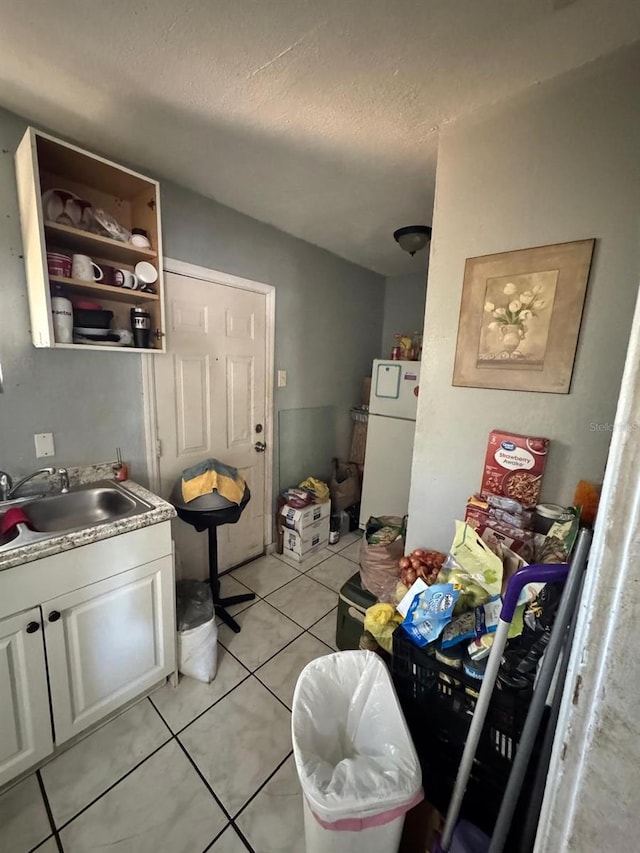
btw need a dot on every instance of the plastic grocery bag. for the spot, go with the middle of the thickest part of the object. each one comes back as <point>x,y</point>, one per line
<point>197,631</point>
<point>344,485</point>
<point>429,612</point>
<point>381,548</point>
<point>353,751</point>
<point>381,620</point>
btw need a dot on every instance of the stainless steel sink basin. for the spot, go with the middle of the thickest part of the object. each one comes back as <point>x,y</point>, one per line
<point>82,507</point>
<point>79,509</point>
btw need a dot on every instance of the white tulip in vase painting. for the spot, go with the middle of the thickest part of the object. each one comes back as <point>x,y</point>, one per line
<point>520,318</point>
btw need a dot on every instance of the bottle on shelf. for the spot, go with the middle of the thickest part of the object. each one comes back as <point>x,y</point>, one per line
<point>416,347</point>
<point>62,313</point>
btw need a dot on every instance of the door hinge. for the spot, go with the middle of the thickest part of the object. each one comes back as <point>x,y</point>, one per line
<point>158,448</point>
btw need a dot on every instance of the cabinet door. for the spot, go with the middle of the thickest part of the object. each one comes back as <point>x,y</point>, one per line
<point>25,721</point>
<point>107,643</point>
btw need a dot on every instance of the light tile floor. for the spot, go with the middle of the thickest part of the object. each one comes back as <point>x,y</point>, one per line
<point>203,767</point>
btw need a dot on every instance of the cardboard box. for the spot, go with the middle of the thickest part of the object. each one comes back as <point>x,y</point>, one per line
<point>300,545</point>
<point>477,512</point>
<point>514,465</point>
<point>300,519</point>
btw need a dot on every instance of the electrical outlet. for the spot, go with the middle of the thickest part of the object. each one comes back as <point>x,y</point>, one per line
<point>282,379</point>
<point>44,444</point>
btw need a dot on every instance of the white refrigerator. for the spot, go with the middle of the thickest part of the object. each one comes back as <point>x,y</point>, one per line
<point>390,434</point>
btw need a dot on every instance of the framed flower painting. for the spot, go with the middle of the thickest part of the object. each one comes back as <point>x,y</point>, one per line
<point>520,318</point>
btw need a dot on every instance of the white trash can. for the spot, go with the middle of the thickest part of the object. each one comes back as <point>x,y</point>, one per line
<point>356,762</point>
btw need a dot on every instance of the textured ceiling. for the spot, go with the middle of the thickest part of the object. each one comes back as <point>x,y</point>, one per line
<point>320,117</point>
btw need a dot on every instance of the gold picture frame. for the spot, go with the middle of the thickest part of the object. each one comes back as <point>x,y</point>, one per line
<point>520,318</point>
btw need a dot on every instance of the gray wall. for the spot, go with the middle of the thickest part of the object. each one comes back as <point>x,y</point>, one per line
<point>558,164</point>
<point>404,298</point>
<point>90,401</point>
<point>328,311</point>
<point>328,327</point>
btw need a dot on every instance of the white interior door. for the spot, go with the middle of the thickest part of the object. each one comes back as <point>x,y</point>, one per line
<point>25,724</point>
<point>211,402</point>
<point>107,643</point>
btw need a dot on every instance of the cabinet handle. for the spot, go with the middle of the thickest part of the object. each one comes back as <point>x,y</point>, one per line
<point>32,627</point>
<point>54,616</point>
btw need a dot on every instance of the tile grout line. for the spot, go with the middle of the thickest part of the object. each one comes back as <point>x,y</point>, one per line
<point>158,712</point>
<point>202,713</point>
<point>47,807</point>
<point>206,783</point>
<point>282,613</point>
<point>320,620</point>
<point>302,631</point>
<point>264,784</point>
<point>116,783</point>
<point>231,827</point>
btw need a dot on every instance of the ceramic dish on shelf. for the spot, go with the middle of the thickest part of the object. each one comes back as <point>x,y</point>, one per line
<point>146,272</point>
<point>110,341</point>
<point>65,208</point>
<point>111,226</point>
<point>87,333</point>
<point>86,305</point>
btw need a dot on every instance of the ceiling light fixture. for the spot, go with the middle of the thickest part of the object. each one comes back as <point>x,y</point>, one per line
<point>412,238</point>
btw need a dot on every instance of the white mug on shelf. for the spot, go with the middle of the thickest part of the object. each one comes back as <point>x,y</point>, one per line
<point>84,269</point>
<point>62,312</point>
<point>127,279</point>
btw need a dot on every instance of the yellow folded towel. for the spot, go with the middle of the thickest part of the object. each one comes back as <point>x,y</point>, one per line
<point>209,476</point>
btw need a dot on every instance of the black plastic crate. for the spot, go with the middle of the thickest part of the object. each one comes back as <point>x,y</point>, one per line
<point>439,701</point>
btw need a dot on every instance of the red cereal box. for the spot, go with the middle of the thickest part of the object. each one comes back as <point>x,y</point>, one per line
<point>513,466</point>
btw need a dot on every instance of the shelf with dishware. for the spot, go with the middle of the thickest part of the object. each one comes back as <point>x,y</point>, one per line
<point>68,237</point>
<point>91,230</point>
<point>106,291</point>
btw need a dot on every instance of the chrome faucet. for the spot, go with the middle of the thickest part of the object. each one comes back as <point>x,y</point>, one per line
<point>6,484</point>
<point>13,489</point>
<point>64,480</point>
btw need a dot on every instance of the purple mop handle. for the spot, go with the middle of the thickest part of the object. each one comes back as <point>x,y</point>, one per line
<point>537,573</point>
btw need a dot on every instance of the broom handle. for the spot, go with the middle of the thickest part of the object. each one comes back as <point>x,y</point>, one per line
<point>538,573</point>
<point>536,709</point>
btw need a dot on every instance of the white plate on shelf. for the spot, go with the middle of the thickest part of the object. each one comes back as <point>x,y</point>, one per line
<point>82,331</point>
<point>65,207</point>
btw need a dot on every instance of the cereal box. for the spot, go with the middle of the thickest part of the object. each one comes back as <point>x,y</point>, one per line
<point>514,465</point>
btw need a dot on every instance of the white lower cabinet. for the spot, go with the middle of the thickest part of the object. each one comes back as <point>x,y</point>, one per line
<point>107,643</point>
<point>75,657</point>
<point>25,725</point>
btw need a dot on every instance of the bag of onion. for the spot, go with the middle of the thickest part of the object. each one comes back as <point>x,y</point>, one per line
<point>421,563</point>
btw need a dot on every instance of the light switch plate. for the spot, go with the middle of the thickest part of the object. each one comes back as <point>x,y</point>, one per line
<point>282,379</point>
<point>44,444</point>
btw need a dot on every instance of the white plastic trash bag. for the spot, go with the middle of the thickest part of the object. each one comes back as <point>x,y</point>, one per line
<point>198,651</point>
<point>355,759</point>
<point>197,630</point>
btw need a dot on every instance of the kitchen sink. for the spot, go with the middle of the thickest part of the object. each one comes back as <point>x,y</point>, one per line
<point>82,507</point>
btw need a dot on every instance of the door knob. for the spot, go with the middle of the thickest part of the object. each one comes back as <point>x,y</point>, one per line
<point>54,616</point>
<point>260,446</point>
<point>32,627</point>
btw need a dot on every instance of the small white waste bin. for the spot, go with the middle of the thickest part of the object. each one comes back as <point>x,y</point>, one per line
<point>356,762</point>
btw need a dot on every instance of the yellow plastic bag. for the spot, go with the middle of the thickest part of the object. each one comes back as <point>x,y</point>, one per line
<point>381,620</point>
<point>317,487</point>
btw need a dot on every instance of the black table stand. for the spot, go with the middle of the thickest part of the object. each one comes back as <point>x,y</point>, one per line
<point>208,512</point>
<point>219,604</point>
